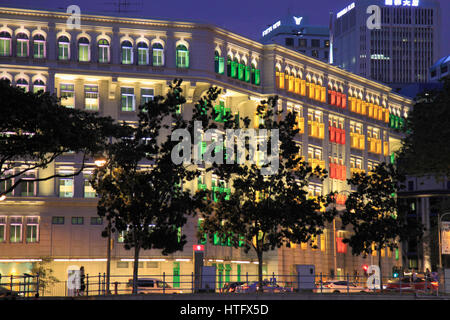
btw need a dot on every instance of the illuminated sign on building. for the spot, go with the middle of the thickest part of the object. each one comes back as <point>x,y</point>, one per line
<point>403,3</point>
<point>198,247</point>
<point>271,28</point>
<point>345,10</point>
<point>298,20</point>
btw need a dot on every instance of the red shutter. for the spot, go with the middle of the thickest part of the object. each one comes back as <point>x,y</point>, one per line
<point>343,173</point>
<point>344,101</point>
<point>338,99</point>
<point>341,247</point>
<point>332,134</point>
<point>338,135</point>
<point>333,98</point>
<point>342,136</point>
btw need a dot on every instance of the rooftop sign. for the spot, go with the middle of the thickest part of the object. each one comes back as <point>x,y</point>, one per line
<point>271,28</point>
<point>403,3</point>
<point>347,9</point>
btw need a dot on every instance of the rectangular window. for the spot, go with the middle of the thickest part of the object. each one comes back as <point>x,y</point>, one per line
<point>128,99</point>
<point>127,55</point>
<point>91,97</point>
<point>289,42</point>
<point>15,230</point>
<point>83,52</point>
<point>158,57</point>
<point>57,220</point>
<point>5,47</point>
<point>63,51</point>
<point>39,49</point>
<point>67,95</point>
<point>89,191</point>
<point>142,56</point>
<point>302,43</point>
<point>146,95</point>
<point>2,229</point>
<point>77,220</point>
<point>28,185</point>
<point>7,183</point>
<point>66,187</point>
<point>103,53</point>
<point>22,48</point>
<point>32,229</point>
<point>182,59</point>
<point>96,221</point>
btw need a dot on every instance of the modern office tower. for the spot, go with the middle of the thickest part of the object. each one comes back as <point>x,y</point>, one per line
<point>402,51</point>
<point>114,64</point>
<point>295,33</point>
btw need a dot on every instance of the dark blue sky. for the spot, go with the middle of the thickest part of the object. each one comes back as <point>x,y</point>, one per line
<point>246,17</point>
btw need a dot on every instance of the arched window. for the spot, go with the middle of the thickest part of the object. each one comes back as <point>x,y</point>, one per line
<point>22,45</point>
<point>83,49</point>
<point>5,43</point>
<point>127,52</point>
<point>39,46</point>
<point>38,85</point>
<point>22,83</point>
<point>142,53</point>
<point>158,54</point>
<point>63,48</point>
<point>103,51</point>
<point>182,54</point>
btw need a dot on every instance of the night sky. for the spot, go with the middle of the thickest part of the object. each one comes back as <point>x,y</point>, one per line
<point>246,17</point>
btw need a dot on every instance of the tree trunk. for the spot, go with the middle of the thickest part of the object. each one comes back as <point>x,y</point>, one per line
<point>108,260</point>
<point>381,273</point>
<point>135,267</point>
<point>260,275</point>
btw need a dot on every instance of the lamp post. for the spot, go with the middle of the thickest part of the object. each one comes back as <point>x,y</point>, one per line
<point>101,162</point>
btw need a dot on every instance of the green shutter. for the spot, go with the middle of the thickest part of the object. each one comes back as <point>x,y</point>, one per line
<point>257,77</point>
<point>176,274</point>
<point>229,67</point>
<point>221,65</point>
<point>241,70</point>
<point>202,240</point>
<point>248,73</point>
<point>216,64</point>
<point>238,267</point>
<point>234,66</point>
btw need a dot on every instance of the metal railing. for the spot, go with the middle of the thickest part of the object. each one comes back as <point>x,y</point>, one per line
<point>25,285</point>
<point>95,285</point>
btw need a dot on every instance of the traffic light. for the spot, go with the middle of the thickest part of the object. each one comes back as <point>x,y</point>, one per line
<point>365,268</point>
<point>395,272</point>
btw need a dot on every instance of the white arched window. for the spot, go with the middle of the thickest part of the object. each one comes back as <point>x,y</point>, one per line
<point>63,48</point>
<point>103,51</point>
<point>84,54</point>
<point>127,52</point>
<point>22,45</point>
<point>22,83</point>
<point>158,54</point>
<point>182,55</point>
<point>143,57</point>
<point>39,46</point>
<point>5,43</point>
<point>38,85</point>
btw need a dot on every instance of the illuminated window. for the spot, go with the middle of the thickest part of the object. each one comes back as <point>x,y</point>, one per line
<point>127,52</point>
<point>15,230</point>
<point>22,83</point>
<point>146,95</point>
<point>182,56</point>
<point>7,183</point>
<point>128,99</point>
<point>38,85</point>
<point>84,54</point>
<point>32,229</point>
<point>89,191</point>
<point>22,45</point>
<point>39,50</point>
<point>2,229</point>
<point>91,97</point>
<point>67,95</point>
<point>28,186</point>
<point>57,220</point>
<point>5,44</point>
<point>77,220</point>
<point>143,56</point>
<point>103,51</point>
<point>63,48</point>
<point>158,54</point>
<point>66,187</point>
<point>96,221</point>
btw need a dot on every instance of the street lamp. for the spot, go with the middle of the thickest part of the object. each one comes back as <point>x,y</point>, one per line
<point>2,197</point>
<point>100,163</point>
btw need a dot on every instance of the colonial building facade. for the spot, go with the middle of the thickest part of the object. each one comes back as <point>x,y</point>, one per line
<point>113,64</point>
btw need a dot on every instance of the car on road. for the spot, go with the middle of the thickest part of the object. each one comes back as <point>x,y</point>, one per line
<point>267,287</point>
<point>231,286</point>
<point>406,284</point>
<point>339,286</point>
<point>151,285</point>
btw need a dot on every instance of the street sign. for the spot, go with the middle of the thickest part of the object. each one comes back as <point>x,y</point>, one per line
<point>445,236</point>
